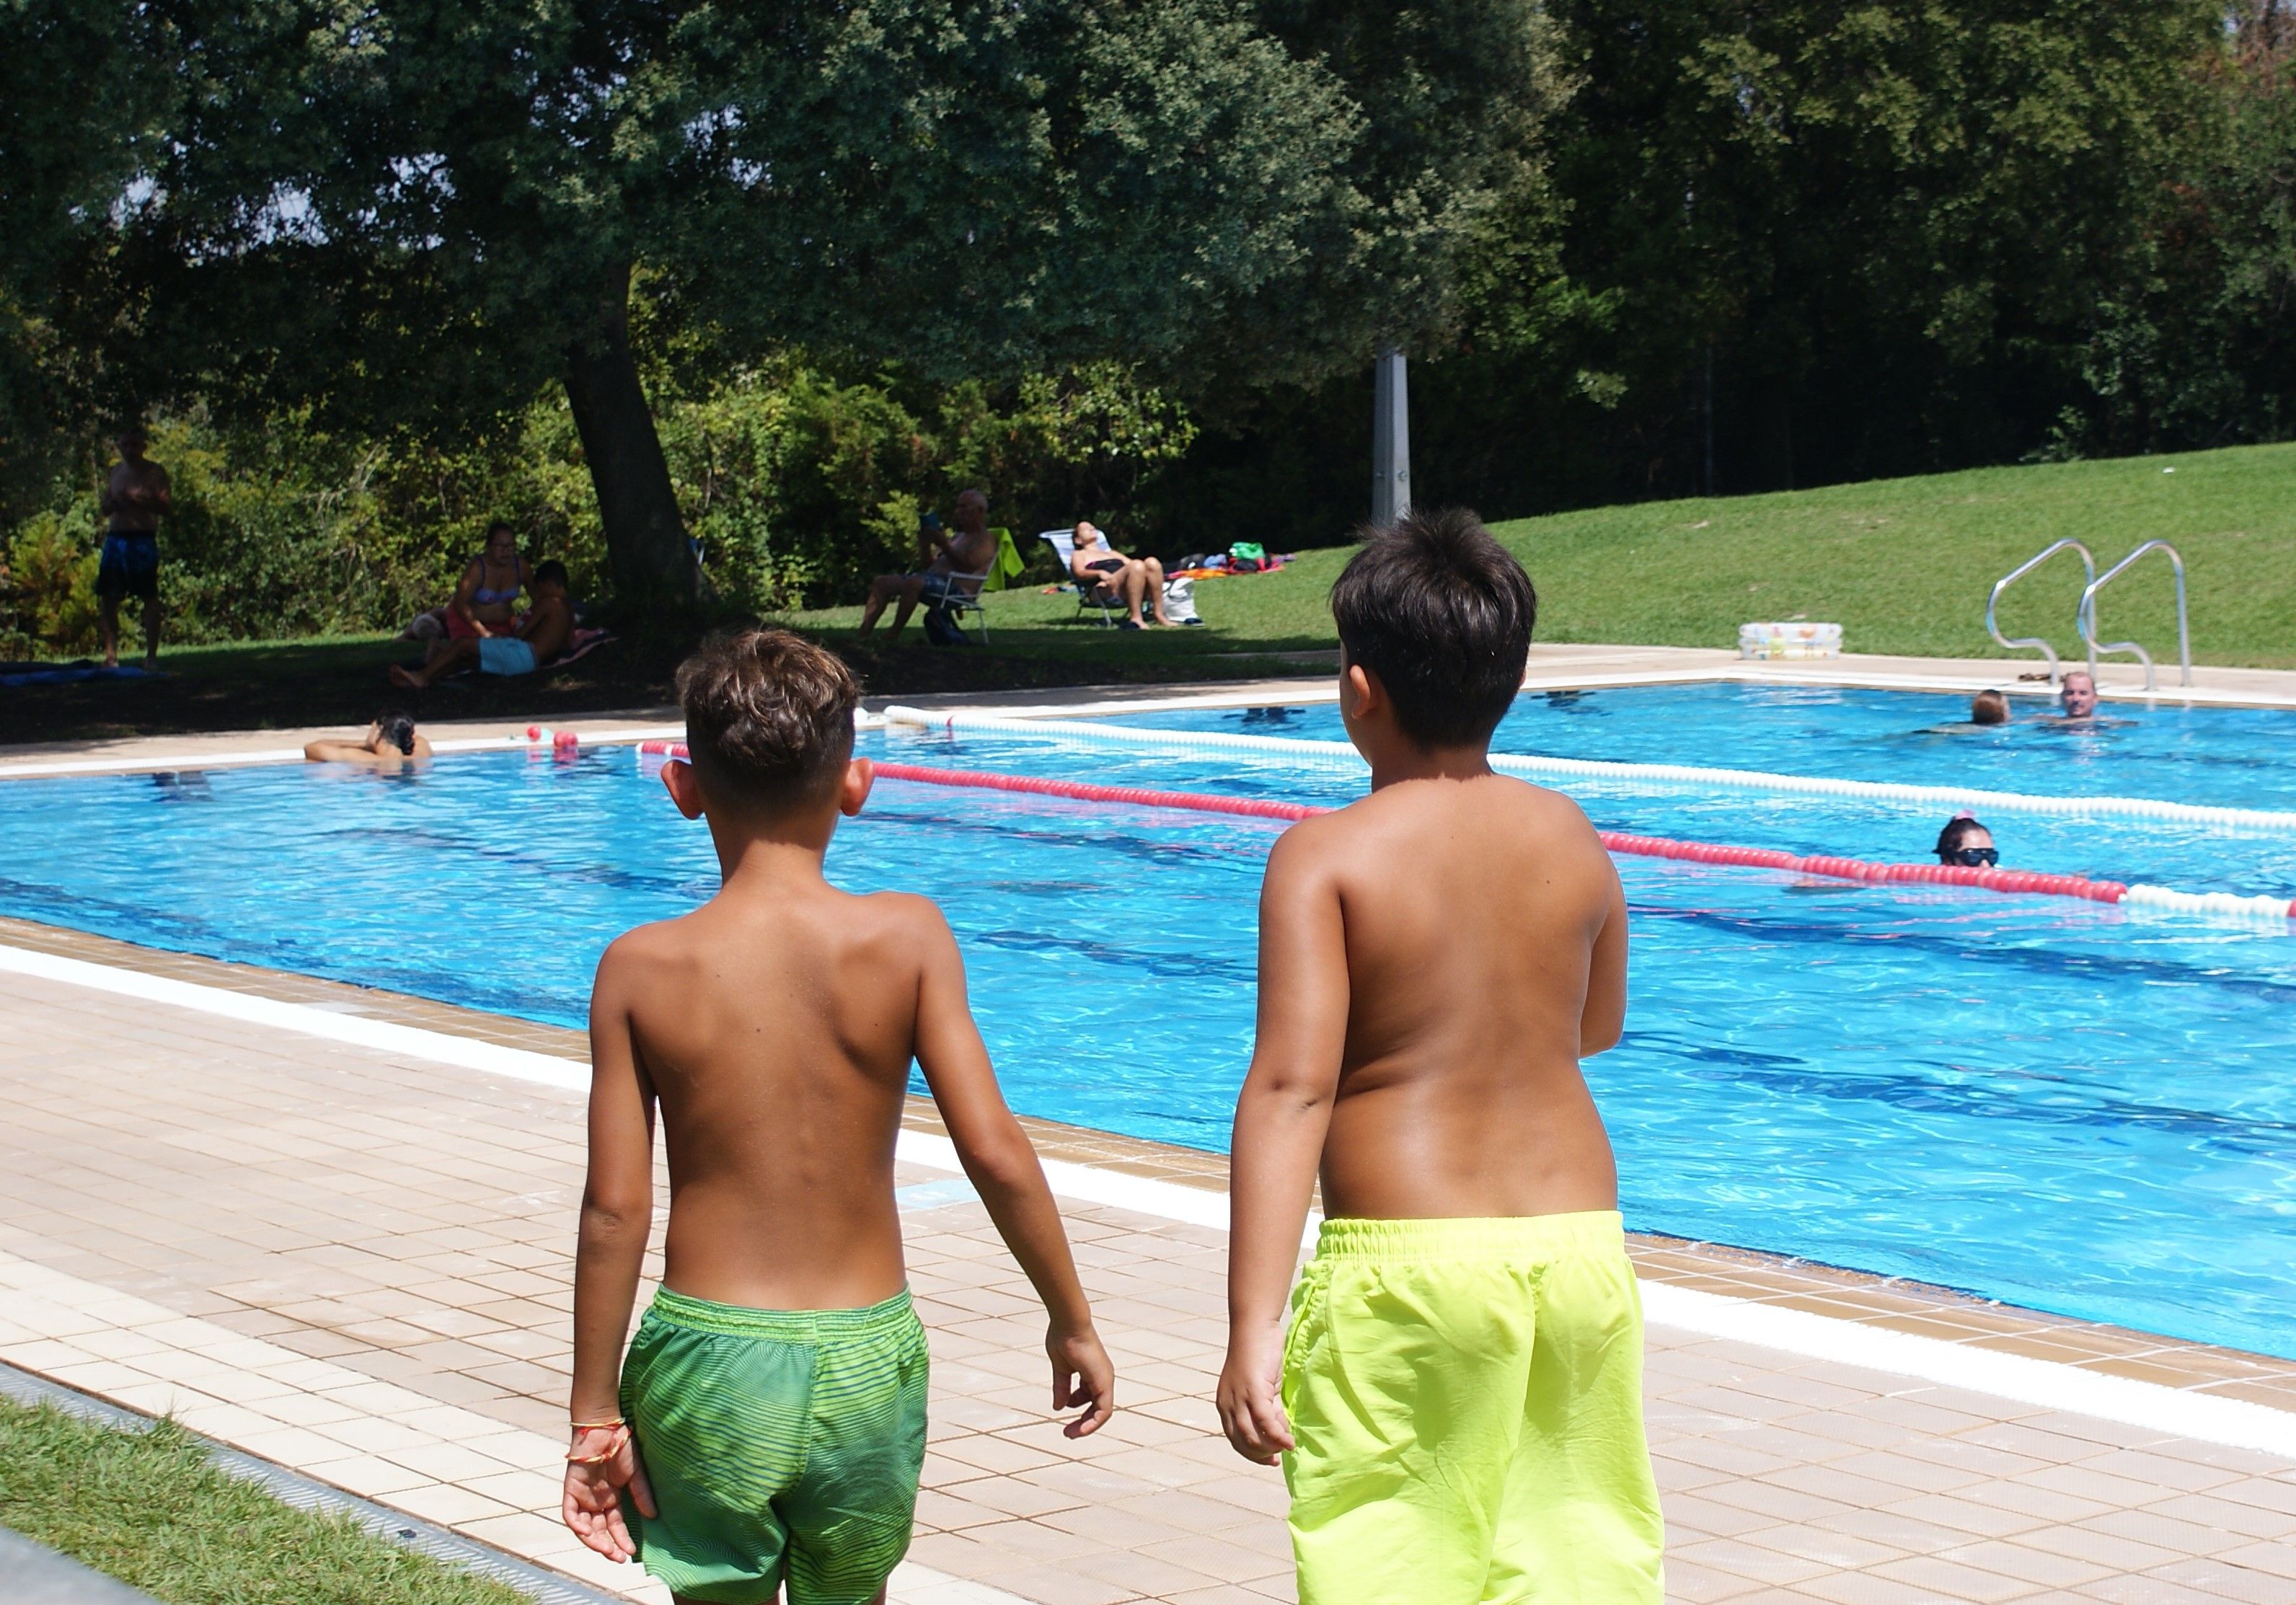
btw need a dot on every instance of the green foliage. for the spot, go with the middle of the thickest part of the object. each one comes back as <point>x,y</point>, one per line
<point>149,1507</point>
<point>798,487</point>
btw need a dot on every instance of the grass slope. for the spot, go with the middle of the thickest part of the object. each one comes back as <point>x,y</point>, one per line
<point>1903,565</point>
<point>150,1509</point>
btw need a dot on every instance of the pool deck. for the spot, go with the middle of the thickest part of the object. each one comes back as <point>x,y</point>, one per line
<point>1553,667</point>
<point>356,1261</point>
<point>334,1227</point>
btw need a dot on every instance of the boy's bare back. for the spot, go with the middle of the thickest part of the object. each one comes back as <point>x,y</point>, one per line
<point>1475,932</point>
<point>776,1035</point>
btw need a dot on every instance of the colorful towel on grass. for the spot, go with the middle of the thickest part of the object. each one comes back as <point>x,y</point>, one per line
<point>35,672</point>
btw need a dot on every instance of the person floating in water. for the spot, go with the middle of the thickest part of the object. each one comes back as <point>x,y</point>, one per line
<point>137,493</point>
<point>1967,843</point>
<point>768,1425</point>
<point>1989,708</point>
<point>390,743</point>
<point>1458,1402</point>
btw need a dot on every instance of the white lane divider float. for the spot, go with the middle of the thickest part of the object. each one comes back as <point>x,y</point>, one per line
<point>1340,755</point>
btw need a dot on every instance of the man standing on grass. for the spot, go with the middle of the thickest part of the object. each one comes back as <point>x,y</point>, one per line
<point>136,495</point>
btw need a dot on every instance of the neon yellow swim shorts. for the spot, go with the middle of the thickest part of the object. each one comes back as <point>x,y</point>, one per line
<point>782,1444</point>
<point>1467,1399</point>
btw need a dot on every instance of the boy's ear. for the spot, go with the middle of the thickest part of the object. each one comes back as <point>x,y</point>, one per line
<point>1361,691</point>
<point>684,790</point>
<point>853,789</point>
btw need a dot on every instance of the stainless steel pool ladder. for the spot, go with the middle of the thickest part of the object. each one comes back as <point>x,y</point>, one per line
<point>2088,566</point>
<point>2086,619</point>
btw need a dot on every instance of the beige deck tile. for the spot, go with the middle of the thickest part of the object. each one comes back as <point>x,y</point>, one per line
<point>317,1299</point>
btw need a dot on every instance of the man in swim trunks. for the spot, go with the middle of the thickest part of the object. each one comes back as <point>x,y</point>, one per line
<point>1458,1402</point>
<point>949,557</point>
<point>768,1426</point>
<point>520,647</point>
<point>135,494</point>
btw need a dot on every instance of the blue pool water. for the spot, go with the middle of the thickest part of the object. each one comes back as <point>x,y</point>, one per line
<point>2051,1102</point>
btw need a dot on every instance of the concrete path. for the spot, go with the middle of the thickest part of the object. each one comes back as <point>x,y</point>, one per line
<point>33,1574</point>
<point>357,1262</point>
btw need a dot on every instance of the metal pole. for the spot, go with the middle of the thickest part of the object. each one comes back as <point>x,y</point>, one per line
<point>1390,440</point>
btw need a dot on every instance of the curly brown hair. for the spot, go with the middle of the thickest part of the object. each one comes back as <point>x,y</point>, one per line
<point>768,715</point>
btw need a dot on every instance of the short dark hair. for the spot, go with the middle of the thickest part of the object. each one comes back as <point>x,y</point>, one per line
<point>550,572</point>
<point>1442,614</point>
<point>1957,830</point>
<point>503,526</point>
<point>769,715</point>
<point>396,726</point>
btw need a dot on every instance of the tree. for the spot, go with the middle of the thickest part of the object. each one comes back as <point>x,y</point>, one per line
<point>1848,239</point>
<point>80,87</point>
<point>417,210</point>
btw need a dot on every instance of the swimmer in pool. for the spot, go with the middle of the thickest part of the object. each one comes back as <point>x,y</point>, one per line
<point>1989,709</point>
<point>390,743</point>
<point>2077,696</point>
<point>1966,843</point>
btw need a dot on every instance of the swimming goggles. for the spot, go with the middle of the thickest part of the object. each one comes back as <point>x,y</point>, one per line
<point>1976,857</point>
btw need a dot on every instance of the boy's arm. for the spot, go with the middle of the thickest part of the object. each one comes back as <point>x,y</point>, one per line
<point>1603,1019</point>
<point>1002,1165</point>
<point>617,1217</point>
<point>1281,1118</point>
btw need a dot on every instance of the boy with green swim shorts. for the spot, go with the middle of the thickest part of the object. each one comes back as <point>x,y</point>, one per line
<point>767,1427</point>
<point>1457,1402</point>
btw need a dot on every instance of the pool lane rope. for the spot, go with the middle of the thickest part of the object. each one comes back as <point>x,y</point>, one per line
<point>2025,882</point>
<point>1341,754</point>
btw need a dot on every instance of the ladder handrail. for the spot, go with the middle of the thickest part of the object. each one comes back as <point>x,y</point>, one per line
<point>2086,619</point>
<point>2088,566</point>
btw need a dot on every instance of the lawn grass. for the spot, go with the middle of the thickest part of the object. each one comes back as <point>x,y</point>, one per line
<point>149,1507</point>
<point>1903,565</point>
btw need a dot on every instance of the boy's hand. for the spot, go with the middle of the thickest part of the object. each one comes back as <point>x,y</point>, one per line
<point>1081,1375</point>
<point>601,1461</point>
<point>1251,1402</point>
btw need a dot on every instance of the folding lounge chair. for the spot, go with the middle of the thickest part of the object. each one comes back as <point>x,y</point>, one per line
<point>1063,542</point>
<point>1003,568</point>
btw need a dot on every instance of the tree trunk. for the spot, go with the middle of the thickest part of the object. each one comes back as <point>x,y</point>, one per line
<point>652,562</point>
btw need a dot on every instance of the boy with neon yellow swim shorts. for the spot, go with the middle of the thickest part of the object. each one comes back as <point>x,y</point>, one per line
<point>768,1424</point>
<point>1457,1403</point>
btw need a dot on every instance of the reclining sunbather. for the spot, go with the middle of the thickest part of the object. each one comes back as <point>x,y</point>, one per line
<point>1130,580</point>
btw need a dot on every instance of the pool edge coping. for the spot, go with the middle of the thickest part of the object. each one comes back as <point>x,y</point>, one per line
<point>1890,1324</point>
<point>1553,667</point>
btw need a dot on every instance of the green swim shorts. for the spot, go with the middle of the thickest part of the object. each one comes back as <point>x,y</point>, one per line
<point>782,1444</point>
<point>1466,1396</point>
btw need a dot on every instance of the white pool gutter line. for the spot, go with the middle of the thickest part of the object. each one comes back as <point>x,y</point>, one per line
<point>2046,1384</point>
<point>177,761</point>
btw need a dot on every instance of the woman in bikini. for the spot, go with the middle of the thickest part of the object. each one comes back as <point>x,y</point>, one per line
<point>483,599</point>
<point>1131,580</point>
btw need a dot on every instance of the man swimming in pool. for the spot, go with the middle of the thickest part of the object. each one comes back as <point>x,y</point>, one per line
<point>768,1426</point>
<point>1458,1402</point>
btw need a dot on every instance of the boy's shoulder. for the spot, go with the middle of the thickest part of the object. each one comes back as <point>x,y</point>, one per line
<point>1496,803</point>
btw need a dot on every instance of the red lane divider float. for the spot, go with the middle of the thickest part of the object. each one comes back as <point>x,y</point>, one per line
<point>2026,882</point>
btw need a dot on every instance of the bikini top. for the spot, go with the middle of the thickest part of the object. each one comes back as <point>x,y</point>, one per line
<point>482,597</point>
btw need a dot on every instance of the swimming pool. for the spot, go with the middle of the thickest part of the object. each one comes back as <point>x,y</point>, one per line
<point>2063,1105</point>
